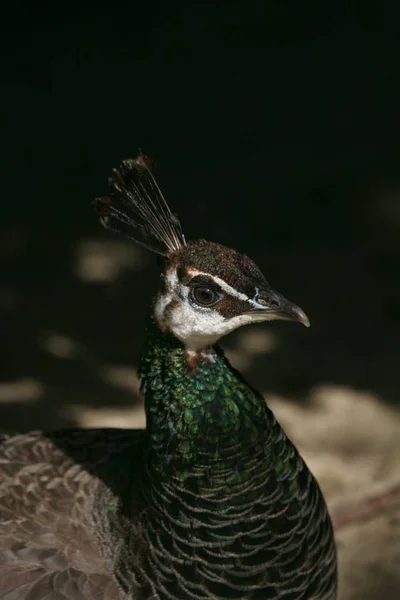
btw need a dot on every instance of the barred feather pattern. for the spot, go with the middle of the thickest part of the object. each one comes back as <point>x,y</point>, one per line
<point>211,502</point>
<point>48,538</point>
<point>228,509</point>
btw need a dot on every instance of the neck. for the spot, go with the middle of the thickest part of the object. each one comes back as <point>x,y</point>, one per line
<point>197,407</point>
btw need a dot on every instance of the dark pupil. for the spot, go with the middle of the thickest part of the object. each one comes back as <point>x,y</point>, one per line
<point>204,296</point>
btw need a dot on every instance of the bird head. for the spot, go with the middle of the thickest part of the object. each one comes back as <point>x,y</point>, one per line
<point>207,290</point>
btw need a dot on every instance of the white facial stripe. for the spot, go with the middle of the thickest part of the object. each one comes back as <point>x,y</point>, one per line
<point>227,288</point>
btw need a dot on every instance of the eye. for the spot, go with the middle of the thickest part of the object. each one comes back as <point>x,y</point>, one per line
<point>204,296</point>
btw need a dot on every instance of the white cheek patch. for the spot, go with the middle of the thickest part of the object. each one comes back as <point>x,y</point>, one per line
<point>195,328</point>
<point>198,327</point>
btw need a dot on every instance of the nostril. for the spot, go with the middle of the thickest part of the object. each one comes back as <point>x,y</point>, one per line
<point>268,302</point>
<point>262,301</point>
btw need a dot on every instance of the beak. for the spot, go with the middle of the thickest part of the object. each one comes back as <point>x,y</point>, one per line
<point>272,306</point>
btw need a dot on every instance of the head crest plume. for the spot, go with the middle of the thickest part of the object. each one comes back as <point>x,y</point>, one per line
<point>136,208</point>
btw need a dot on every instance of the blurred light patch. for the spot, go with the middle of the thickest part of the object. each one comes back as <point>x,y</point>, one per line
<point>349,438</point>
<point>122,377</point>
<point>26,390</point>
<point>123,418</point>
<point>249,343</point>
<point>103,261</point>
<point>239,360</point>
<point>60,346</point>
<point>257,341</point>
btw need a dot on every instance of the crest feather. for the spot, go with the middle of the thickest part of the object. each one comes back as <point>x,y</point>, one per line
<point>135,205</point>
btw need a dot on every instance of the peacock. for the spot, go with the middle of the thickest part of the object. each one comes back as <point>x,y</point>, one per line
<point>210,501</point>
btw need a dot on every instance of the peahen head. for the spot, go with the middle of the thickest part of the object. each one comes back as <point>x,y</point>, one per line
<point>207,290</point>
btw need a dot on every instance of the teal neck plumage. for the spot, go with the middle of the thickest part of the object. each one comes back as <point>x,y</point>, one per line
<point>201,412</point>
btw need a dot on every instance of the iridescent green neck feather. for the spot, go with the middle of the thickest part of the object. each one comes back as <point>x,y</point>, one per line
<point>201,411</point>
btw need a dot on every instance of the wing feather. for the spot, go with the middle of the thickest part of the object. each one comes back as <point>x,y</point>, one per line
<point>48,547</point>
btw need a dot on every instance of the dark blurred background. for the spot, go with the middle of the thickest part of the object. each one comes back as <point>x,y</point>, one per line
<point>274,127</point>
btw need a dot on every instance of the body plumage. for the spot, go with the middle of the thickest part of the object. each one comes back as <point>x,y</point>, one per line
<point>211,501</point>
